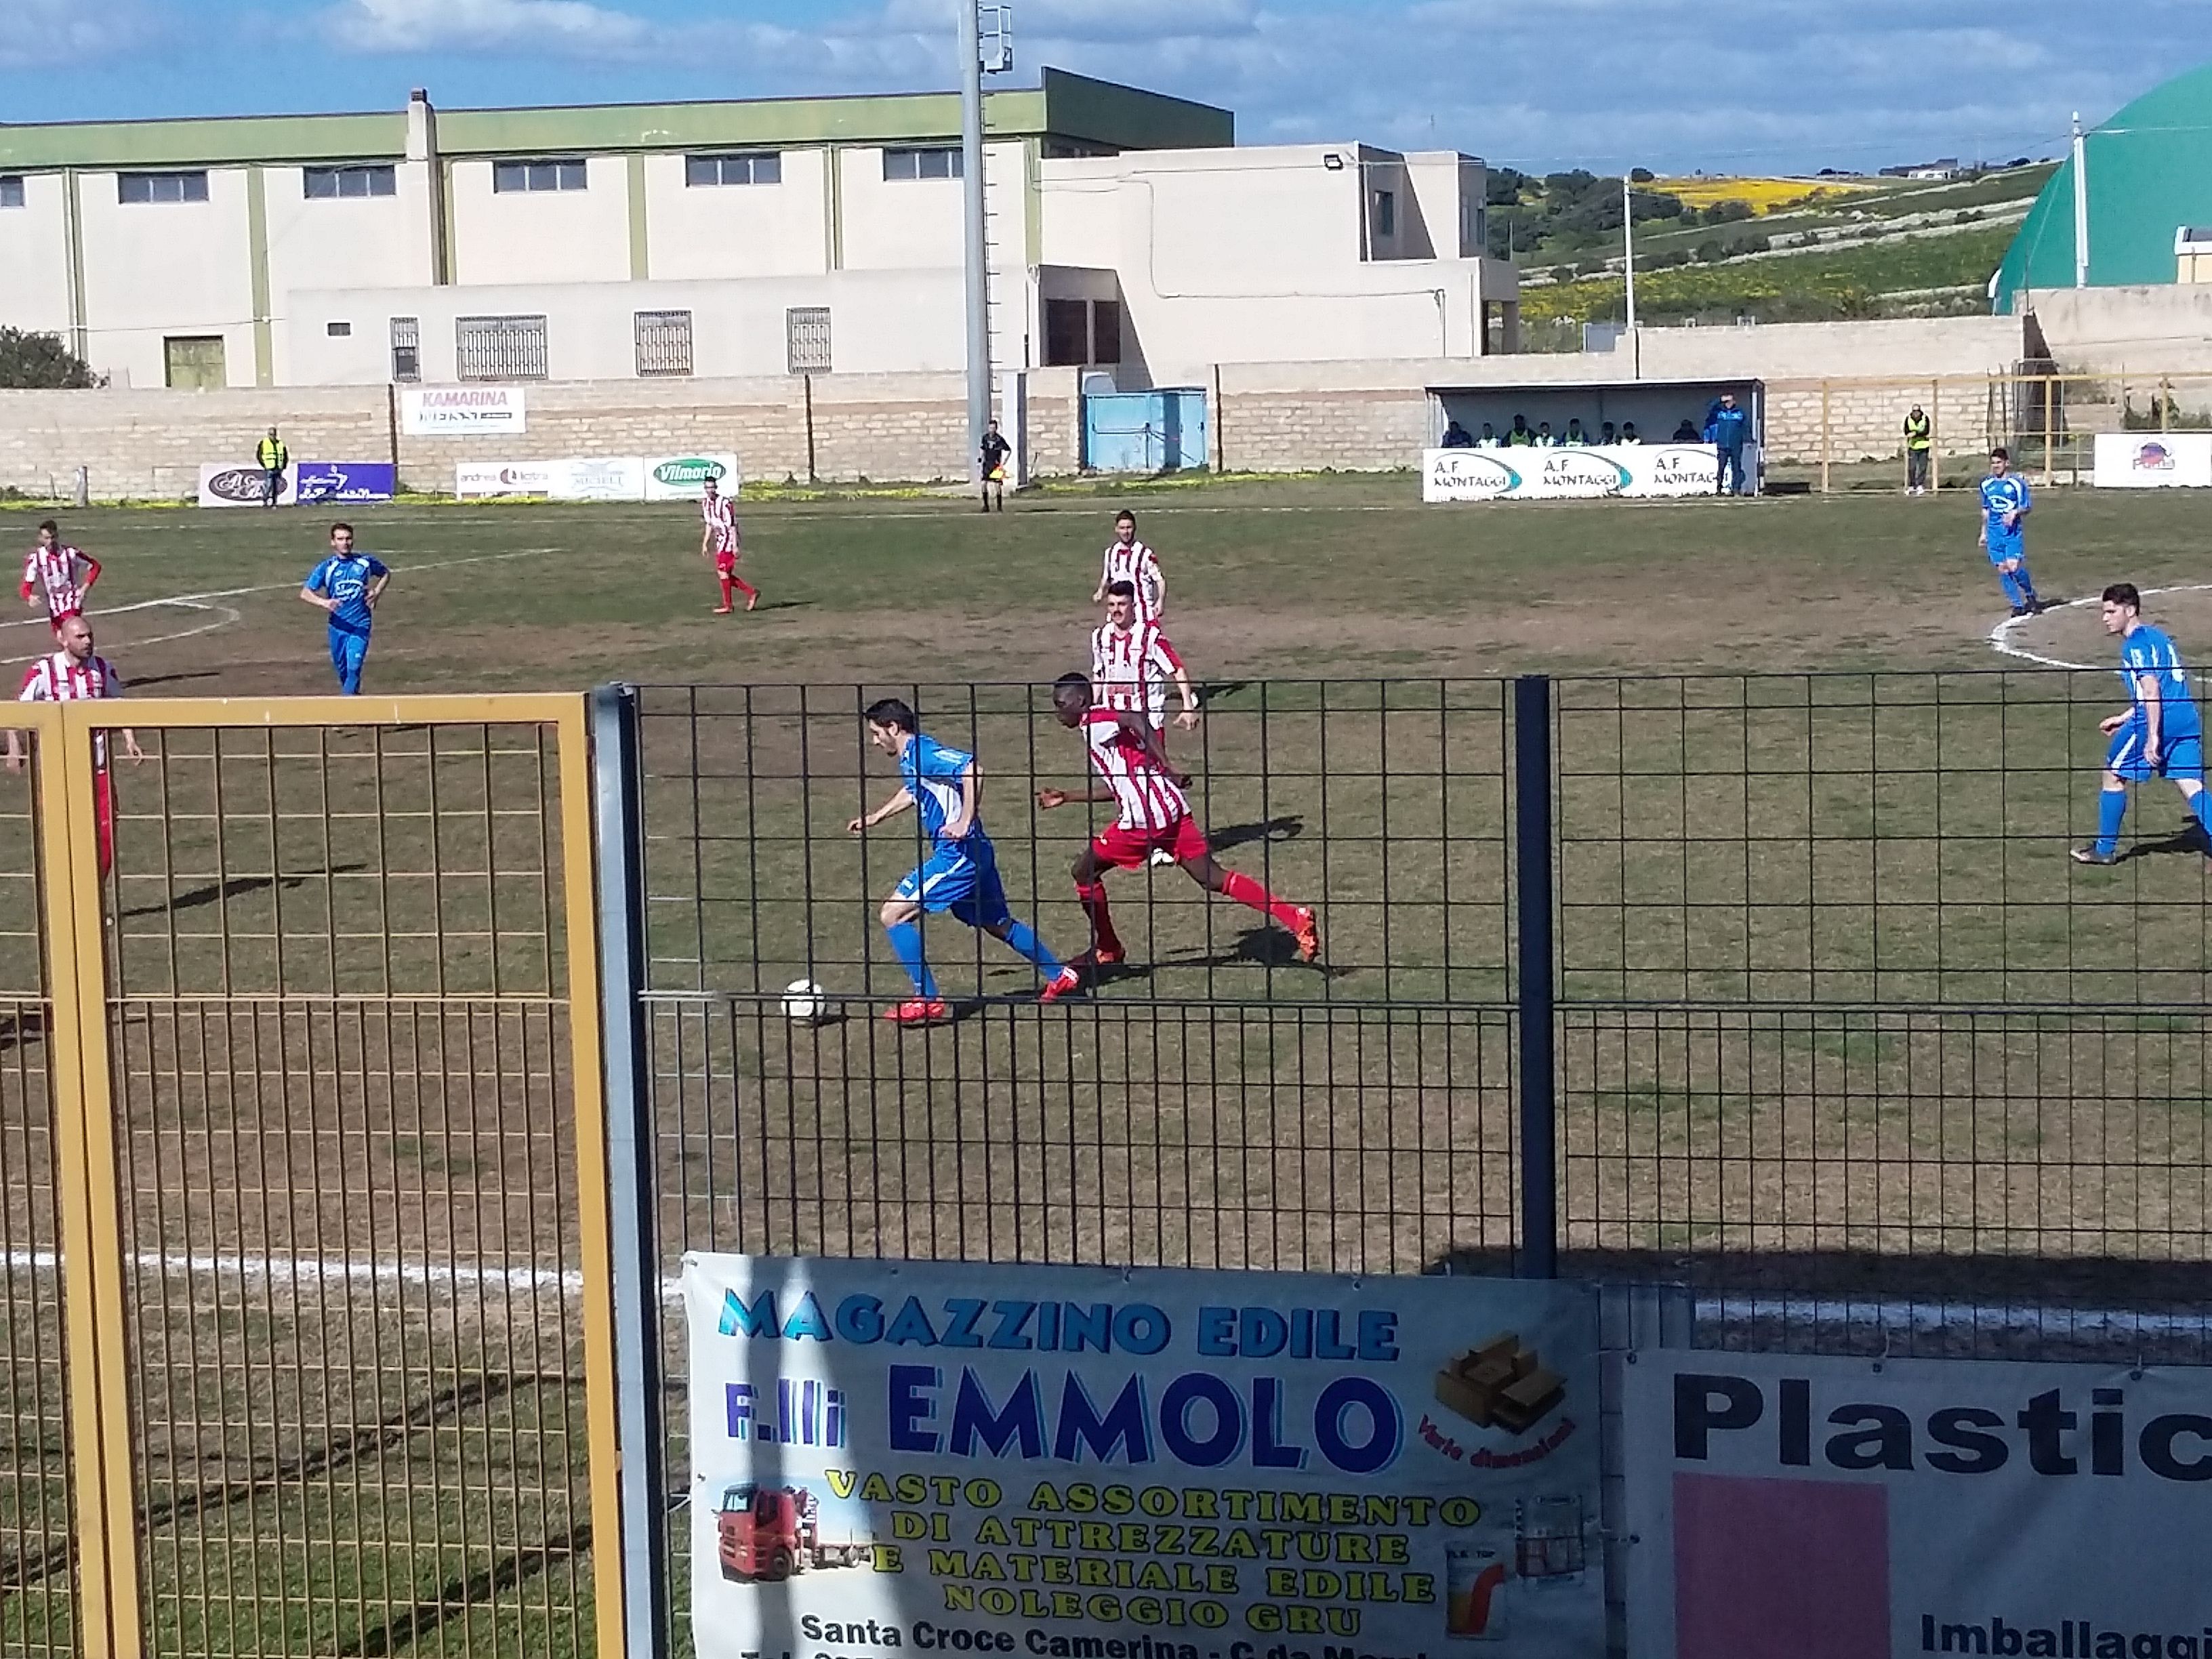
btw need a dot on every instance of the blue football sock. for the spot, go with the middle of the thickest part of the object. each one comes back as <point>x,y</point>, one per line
<point>2112,807</point>
<point>2014,595</point>
<point>1024,939</point>
<point>2026,583</point>
<point>906,946</point>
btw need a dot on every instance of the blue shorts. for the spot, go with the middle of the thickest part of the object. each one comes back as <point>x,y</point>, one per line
<point>2001,548</point>
<point>960,881</point>
<point>2178,757</point>
<point>349,650</point>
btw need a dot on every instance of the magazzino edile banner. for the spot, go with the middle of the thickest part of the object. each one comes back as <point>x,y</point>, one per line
<point>889,1457</point>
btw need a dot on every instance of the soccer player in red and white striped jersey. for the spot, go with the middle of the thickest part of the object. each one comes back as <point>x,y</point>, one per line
<point>78,673</point>
<point>1131,662</point>
<point>57,575</point>
<point>722,543</point>
<point>1154,813</point>
<point>1129,560</point>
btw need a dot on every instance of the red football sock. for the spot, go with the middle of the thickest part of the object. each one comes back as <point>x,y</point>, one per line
<point>726,582</point>
<point>745,587</point>
<point>1246,891</point>
<point>1093,900</point>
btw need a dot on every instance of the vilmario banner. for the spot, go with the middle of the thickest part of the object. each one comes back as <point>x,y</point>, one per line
<point>1787,1507</point>
<point>891,1457</point>
<point>1527,473</point>
<point>683,478</point>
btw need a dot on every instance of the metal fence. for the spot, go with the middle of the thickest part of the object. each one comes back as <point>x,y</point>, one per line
<point>317,1059</point>
<point>1779,988</point>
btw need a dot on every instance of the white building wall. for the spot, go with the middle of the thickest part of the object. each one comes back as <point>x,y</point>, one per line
<point>155,269</point>
<point>353,242</point>
<point>34,257</point>
<point>542,236</point>
<point>723,231</point>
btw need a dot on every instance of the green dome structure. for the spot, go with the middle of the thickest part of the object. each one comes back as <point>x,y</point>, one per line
<point>2150,172</point>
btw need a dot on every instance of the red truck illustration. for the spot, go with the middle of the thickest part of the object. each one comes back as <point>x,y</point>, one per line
<point>769,1533</point>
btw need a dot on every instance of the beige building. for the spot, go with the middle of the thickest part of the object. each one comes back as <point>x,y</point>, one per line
<point>1127,231</point>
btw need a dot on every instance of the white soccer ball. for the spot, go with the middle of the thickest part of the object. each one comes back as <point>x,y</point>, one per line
<point>803,1001</point>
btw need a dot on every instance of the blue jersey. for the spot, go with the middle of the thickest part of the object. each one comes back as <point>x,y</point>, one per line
<point>2147,652</point>
<point>345,578</point>
<point>2001,497</point>
<point>932,773</point>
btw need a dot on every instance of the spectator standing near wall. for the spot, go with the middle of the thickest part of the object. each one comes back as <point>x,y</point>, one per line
<point>272,458</point>
<point>1919,440</point>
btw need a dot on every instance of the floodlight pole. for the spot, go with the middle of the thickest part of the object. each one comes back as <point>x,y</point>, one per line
<point>978,254</point>
<point>2081,204</point>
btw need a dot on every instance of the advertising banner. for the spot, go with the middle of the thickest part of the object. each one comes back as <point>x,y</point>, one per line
<point>620,478</point>
<point>2153,460</point>
<point>226,483</point>
<point>462,411</point>
<point>892,1456</point>
<point>474,480</point>
<point>1531,474</point>
<point>683,478</point>
<point>346,482</point>
<point>1853,1509</point>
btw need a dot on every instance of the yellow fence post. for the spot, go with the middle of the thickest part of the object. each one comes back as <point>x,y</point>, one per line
<point>1935,436</point>
<point>100,1422</point>
<point>2050,431</point>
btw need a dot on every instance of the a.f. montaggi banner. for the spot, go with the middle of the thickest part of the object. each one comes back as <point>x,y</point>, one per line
<point>1526,473</point>
<point>891,1456</point>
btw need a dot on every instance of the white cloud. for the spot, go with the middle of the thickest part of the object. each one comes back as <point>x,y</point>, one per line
<point>547,27</point>
<point>39,34</point>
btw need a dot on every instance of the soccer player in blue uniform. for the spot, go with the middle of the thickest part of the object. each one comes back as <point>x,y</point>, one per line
<point>347,584</point>
<point>2006,504</point>
<point>2161,736</point>
<point>961,874</point>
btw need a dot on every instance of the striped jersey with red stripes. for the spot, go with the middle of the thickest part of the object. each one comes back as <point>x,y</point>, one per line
<point>63,573</point>
<point>720,513</point>
<point>1138,566</point>
<point>1130,667</point>
<point>62,679</point>
<point>1149,798</point>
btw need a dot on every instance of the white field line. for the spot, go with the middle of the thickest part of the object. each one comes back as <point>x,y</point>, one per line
<point>205,601</point>
<point>452,1279</point>
<point>2000,637</point>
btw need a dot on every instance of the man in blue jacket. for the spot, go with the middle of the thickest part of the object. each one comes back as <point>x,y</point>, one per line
<point>1727,426</point>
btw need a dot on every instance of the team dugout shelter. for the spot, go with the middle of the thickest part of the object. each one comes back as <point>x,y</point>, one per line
<point>1655,408</point>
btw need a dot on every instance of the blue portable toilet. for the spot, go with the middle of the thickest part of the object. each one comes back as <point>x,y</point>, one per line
<point>1162,430</point>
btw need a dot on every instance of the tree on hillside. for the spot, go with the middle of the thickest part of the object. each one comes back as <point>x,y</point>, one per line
<point>40,363</point>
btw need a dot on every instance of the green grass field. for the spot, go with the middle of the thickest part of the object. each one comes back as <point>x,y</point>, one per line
<point>1840,1011</point>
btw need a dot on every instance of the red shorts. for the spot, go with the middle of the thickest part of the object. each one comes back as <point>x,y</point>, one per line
<point>725,561</point>
<point>1128,849</point>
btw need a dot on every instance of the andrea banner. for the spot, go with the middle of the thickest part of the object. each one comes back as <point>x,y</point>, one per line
<point>1530,474</point>
<point>1788,1508</point>
<point>891,1456</point>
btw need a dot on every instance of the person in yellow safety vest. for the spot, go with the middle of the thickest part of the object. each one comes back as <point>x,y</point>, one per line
<point>272,458</point>
<point>1919,439</point>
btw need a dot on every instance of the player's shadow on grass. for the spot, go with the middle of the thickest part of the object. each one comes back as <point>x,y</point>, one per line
<point>16,1029</point>
<point>140,682</point>
<point>194,899</point>
<point>1287,827</point>
<point>2190,840</point>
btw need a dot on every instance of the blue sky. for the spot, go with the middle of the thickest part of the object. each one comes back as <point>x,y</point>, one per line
<point>1671,84</point>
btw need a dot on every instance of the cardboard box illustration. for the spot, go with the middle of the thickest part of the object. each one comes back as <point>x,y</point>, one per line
<point>1497,1383</point>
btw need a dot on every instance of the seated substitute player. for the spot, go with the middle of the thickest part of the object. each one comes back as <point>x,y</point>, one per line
<point>57,576</point>
<point>347,584</point>
<point>76,673</point>
<point>1129,560</point>
<point>960,877</point>
<point>2161,736</point>
<point>721,543</point>
<point>2006,504</point>
<point>1154,812</point>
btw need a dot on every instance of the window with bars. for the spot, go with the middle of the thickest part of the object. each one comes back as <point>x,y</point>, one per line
<point>754,167</point>
<point>11,190</point>
<point>331,183</point>
<point>664,342</point>
<point>406,349</point>
<point>933,162</point>
<point>146,187</point>
<point>806,339</point>
<point>511,178</point>
<point>499,348</point>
